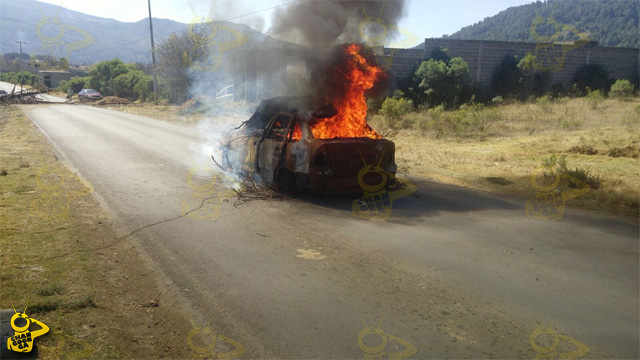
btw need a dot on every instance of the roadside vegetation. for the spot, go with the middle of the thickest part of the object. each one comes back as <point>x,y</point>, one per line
<point>493,139</point>
<point>50,263</point>
<point>497,147</point>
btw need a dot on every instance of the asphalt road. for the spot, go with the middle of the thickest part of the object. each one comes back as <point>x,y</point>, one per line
<point>454,272</point>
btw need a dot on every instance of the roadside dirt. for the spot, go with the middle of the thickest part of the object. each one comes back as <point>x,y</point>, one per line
<point>80,275</point>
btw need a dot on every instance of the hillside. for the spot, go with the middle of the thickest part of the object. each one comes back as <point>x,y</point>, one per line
<point>128,41</point>
<point>609,22</point>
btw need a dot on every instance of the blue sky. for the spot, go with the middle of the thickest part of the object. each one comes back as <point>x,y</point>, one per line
<point>424,18</point>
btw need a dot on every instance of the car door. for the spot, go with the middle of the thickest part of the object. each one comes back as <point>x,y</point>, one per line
<point>272,145</point>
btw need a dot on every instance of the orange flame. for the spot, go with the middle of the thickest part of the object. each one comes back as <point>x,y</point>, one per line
<point>358,76</point>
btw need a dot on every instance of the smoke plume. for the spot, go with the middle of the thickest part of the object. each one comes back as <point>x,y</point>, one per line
<point>326,23</point>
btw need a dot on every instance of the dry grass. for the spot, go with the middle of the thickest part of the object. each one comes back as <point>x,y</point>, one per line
<point>502,160</point>
<point>58,297</point>
<point>76,278</point>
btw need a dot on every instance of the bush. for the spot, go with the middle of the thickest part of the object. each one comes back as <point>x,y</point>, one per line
<point>544,102</point>
<point>594,98</point>
<point>558,165</point>
<point>570,124</point>
<point>470,121</point>
<point>77,83</point>
<point>622,88</point>
<point>144,88</point>
<point>393,110</point>
<point>22,77</point>
<point>63,85</point>
<point>374,105</point>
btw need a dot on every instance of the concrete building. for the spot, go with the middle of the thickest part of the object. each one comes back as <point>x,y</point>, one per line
<point>52,78</point>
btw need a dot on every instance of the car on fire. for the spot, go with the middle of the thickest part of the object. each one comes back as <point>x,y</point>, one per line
<point>277,145</point>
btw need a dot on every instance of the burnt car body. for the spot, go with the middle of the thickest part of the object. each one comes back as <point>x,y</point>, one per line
<point>278,146</point>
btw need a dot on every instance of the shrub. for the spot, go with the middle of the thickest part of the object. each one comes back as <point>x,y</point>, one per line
<point>544,102</point>
<point>393,110</point>
<point>498,100</point>
<point>63,85</point>
<point>144,88</point>
<point>470,121</point>
<point>622,88</point>
<point>482,119</point>
<point>77,83</point>
<point>558,165</point>
<point>22,77</point>
<point>569,124</point>
<point>594,98</point>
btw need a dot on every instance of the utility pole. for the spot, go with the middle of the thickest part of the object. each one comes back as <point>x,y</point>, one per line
<point>20,62</point>
<point>153,58</point>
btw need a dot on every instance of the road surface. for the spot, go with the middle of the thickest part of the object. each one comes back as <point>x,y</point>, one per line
<point>454,273</point>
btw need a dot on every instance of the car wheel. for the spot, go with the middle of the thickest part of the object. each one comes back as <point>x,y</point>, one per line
<point>287,183</point>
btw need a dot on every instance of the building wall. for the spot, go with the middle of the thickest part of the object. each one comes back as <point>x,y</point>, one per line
<point>484,57</point>
<point>53,78</point>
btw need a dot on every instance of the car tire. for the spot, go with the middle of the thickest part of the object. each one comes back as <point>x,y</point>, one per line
<point>287,183</point>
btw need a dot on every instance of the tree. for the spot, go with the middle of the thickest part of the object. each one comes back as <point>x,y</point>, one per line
<point>124,85</point>
<point>64,63</point>
<point>103,74</point>
<point>176,55</point>
<point>76,84</point>
<point>445,83</point>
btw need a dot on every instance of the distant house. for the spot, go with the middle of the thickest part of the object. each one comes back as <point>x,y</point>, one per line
<point>52,78</point>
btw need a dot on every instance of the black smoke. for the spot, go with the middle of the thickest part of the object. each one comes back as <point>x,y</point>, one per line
<point>326,23</point>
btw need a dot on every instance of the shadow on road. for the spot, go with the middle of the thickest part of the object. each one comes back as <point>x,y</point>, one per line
<point>430,199</point>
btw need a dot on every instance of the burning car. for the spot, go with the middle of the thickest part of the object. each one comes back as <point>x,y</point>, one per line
<point>294,142</point>
<point>279,145</point>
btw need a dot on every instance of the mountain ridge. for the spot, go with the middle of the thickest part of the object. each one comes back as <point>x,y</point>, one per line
<point>39,24</point>
<point>610,23</point>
